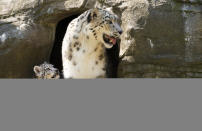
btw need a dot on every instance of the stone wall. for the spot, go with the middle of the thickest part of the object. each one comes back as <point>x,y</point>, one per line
<point>161,38</point>
<point>27,31</point>
<point>169,44</point>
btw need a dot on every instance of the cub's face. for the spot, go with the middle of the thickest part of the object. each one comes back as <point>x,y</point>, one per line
<point>46,71</point>
<point>104,27</point>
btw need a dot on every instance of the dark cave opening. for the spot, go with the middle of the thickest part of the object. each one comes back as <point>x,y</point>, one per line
<point>56,54</point>
<point>113,60</point>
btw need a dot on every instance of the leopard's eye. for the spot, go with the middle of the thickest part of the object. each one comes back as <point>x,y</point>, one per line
<point>110,22</point>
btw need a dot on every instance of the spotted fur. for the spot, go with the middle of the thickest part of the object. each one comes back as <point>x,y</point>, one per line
<point>46,71</point>
<point>86,57</point>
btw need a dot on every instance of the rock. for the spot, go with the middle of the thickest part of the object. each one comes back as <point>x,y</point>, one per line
<point>161,33</point>
<point>27,32</point>
<point>190,1</point>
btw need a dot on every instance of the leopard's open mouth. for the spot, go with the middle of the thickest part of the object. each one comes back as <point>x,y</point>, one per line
<point>109,39</point>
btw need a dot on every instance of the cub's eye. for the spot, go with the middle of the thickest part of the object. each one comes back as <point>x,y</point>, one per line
<point>110,22</point>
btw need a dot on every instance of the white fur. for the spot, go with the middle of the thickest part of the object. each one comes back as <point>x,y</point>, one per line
<point>85,61</point>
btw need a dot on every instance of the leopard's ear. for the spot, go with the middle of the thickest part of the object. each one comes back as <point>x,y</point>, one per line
<point>37,69</point>
<point>93,13</point>
<point>110,9</point>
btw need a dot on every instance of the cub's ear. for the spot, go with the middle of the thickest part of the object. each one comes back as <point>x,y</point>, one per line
<point>93,13</point>
<point>37,69</point>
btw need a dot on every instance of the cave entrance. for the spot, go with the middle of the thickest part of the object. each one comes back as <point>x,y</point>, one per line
<point>56,54</point>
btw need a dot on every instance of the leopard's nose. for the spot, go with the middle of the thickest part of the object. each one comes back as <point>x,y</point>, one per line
<point>120,32</point>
